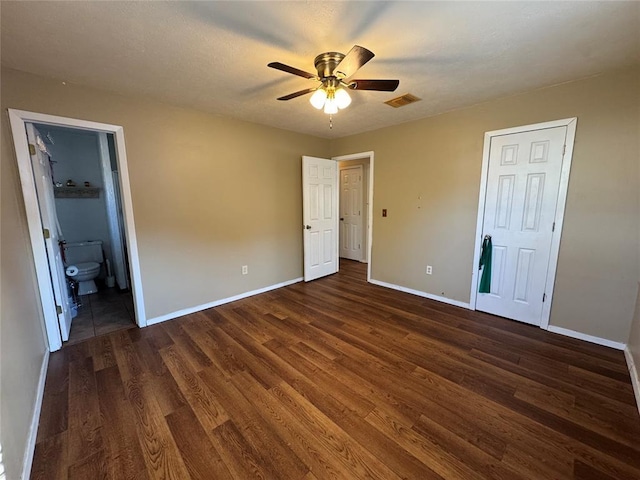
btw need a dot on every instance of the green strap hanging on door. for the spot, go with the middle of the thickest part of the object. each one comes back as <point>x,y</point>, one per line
<point>485,261</point>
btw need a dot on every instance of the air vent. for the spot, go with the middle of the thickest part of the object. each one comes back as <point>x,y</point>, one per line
<point>403,100</point>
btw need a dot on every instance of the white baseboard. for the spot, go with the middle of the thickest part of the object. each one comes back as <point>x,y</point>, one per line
<point>633,371</point>
<point>30,448</point>
<point>587,338</point>
<point>199,308</point>
<point>421,294</point>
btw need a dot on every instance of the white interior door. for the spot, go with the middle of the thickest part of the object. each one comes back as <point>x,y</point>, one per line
<point>351,212</point>
<point>320,217</point>
<point>520,208</point>
<point>52,234</point>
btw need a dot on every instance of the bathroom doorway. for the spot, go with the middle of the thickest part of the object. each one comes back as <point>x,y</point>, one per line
<point>88,216</point>
<point>80,169</point>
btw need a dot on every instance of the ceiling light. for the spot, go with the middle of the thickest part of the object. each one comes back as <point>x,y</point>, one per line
<point>318,98</point>
<point>330,106</point>
<point>330,98</point>
<point>343,100</point>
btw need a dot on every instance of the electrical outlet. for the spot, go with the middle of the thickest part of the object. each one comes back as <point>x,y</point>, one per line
<point>245,269</point>
<point>429,269</point>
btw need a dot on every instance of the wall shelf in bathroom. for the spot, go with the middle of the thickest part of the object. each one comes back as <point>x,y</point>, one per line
<point>76,192</point>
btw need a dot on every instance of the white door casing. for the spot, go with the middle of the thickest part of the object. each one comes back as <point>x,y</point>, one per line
<point>51,231</point>
<point>18,120</point>
<point>320,217</point>
<point>525,191</point>
<point>351,212</point>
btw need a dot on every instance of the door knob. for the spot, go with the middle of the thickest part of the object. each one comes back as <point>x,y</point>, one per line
<point>341,219</point>
<point>308,227</point>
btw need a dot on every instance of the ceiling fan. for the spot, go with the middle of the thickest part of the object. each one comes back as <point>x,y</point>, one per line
<point>334,74</point>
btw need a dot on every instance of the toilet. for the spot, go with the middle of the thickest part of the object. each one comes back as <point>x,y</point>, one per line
<point>83,261</point>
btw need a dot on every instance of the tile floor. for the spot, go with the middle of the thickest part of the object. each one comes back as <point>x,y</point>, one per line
<point>102,312</point>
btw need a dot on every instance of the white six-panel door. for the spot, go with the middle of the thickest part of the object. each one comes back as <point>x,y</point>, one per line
<point>320,217</point>
<point>46,202</point>
<point>520,207</point>
<point>351,213</point>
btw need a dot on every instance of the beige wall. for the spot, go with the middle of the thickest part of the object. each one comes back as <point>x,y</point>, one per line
<point>22,340</point>
<point>427,174</point>
<point>210,194</point>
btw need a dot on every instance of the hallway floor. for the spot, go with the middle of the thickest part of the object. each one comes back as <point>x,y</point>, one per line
<point>103,312</point>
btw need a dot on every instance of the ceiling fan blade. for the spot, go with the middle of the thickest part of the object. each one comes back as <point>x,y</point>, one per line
<point>293,70</point>
<point>355,59</point>
<point>380,85</point>
<point>298,94</point>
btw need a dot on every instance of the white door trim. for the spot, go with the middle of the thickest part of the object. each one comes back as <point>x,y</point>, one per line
<point>570,123</point>
<point>18,119</point>
<point>358,156</point>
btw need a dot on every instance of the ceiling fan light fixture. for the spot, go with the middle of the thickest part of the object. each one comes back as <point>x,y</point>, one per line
<point>318,98</point>
<point>335,72</point>
<point>330,98</point>
<point>343,100</point>
<point>330,106</point>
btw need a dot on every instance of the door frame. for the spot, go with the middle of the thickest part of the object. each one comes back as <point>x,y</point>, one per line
<point>359,156</point>
<point>18,119</point>
<point>571,124</point>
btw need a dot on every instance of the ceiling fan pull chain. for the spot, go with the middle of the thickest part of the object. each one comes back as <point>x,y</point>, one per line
<point>330,122</point>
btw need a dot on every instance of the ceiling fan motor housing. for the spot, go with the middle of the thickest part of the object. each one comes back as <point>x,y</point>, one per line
<point>326,63</point>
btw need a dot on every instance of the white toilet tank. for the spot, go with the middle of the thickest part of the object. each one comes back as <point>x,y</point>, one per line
<point>79,252</point>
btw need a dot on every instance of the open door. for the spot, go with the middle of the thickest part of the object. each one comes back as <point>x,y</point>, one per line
<point>40,163</point>
<point>320,217</point>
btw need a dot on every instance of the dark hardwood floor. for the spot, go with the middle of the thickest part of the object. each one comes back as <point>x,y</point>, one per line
<point>337,379</point>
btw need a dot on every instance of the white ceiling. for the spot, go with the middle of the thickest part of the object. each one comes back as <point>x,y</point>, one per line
<point>213,55</point>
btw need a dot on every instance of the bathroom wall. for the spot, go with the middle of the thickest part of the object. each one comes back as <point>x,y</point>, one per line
<point>77,157</point>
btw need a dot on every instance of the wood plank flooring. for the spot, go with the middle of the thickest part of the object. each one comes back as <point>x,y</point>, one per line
<point>337,379</point>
